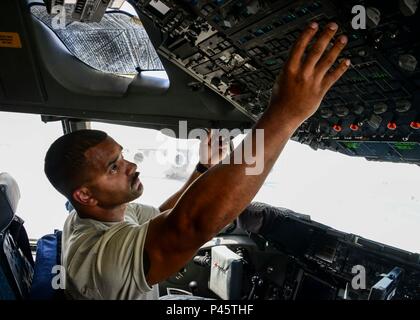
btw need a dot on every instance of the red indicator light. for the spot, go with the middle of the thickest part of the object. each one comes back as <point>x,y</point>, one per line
<point>415,125</point>
<point>391,125</point>
<point>354,127</point>
<point>337,128</point>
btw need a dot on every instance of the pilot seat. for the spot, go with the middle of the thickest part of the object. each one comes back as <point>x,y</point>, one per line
<point>20,276</point>
<point>16,262</point>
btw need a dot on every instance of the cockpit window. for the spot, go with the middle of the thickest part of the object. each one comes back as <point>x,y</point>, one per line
<point>24,141</point>
<point>375,200</point>
<point>379,201</point>
<point>118,44</point>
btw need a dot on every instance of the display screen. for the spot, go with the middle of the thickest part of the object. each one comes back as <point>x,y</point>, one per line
<point>312,288</point>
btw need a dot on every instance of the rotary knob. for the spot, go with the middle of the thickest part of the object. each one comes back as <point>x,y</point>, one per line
<point>408,7</point>
<point>407,62</point>
<point>373,17</point>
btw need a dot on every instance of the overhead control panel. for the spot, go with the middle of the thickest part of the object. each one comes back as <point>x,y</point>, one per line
<point>237,48</point>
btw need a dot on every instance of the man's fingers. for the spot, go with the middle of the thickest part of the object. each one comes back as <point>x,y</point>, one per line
<point>220,141</point>
<point>207,138</point>
<point>333,76</point>
<point>319,47</point>
<point>329,58</point>
<point>300,45</point>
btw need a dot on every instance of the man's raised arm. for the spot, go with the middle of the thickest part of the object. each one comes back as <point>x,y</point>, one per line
<point>221,194</point>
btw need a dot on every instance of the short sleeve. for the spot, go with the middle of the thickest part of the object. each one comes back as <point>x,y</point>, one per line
<point>141,212</point>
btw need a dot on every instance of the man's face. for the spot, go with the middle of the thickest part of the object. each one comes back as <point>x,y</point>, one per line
<point>112,179</point>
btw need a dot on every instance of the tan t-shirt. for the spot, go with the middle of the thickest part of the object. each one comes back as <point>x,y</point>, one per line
<point>104,260</point>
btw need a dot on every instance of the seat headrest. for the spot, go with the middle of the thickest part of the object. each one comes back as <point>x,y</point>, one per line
<point>10,188</point>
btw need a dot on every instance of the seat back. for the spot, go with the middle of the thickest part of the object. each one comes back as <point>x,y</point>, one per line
<point>9,198</point>
<point>226,273</point>
<point>45,284</point>
<point>16,263</point>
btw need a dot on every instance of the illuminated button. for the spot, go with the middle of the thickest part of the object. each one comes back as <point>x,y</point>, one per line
<point>354,127</point>
<point>415,125</point>
<point>337,128</point>
<point>391,125</point>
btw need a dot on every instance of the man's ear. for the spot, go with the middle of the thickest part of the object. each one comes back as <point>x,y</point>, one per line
<point>84,197</point>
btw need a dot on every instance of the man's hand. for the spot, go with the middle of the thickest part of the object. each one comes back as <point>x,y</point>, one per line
<point>213,149</point>
<point>303,83</point>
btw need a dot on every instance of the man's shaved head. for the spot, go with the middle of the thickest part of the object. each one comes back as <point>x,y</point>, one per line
<point>66,165</point>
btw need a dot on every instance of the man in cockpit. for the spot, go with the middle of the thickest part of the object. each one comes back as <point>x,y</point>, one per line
<point>115,249</point>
